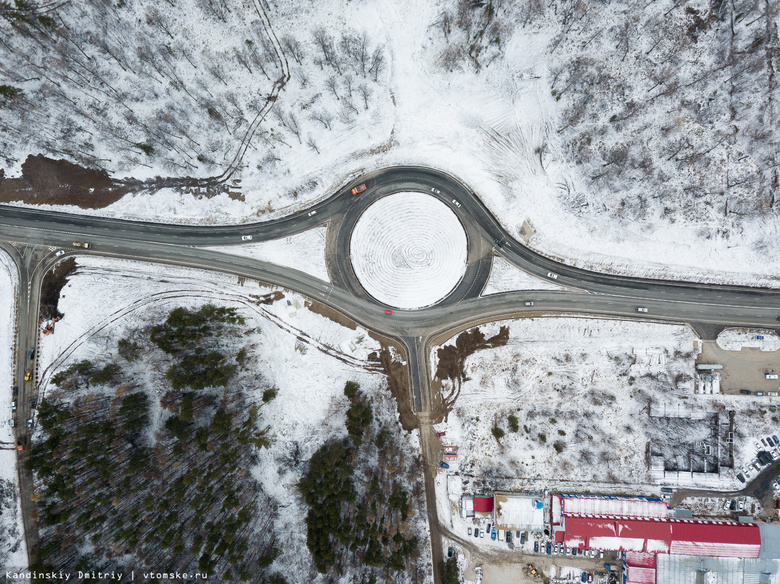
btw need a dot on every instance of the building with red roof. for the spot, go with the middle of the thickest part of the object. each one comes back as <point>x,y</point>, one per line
<point>483,505</point>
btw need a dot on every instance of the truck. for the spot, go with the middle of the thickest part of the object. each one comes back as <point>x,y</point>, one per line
<point>84,244</point>
<point>28,375</point>
<point>21,442</point>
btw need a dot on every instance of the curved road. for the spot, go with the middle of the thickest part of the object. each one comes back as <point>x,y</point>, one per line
<point>607,295</point>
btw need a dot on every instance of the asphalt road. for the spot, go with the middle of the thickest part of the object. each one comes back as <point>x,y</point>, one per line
<point>602,295</point>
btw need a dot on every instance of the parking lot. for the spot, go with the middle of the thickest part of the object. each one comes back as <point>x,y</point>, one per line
<point>743,369</point>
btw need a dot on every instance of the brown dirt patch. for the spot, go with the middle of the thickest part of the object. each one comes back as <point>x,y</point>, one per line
<point>328,312</point>
<point>398,382</point>
<point>53,283</point>
<point>452,360</point>
<point>59,182</point>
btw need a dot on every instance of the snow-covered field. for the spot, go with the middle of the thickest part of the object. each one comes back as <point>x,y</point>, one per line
<point>13,550</point>
<point>736,339</point>
<point>495,128</point>
<point>408,250</point>
<point>303,251</point>
<point>504,277</point>
<point>307,357</point>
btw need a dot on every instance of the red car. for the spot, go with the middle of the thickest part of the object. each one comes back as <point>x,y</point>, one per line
<point>440,434</point>
<point>358,189</point>
<point>388,312</point>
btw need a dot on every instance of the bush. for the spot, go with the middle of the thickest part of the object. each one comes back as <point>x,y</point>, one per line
<point>543,438</point>
<point>269,394</point>
<point>106,374</point>
<point>449,572</point>
<point>514,425</point>
<point>128,350</point>
<point>350,389</point>
<point>498,433</point>
<point>359,416</point>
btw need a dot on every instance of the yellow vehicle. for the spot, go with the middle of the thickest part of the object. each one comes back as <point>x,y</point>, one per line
<point>28,377</point>
<point>84,244</point>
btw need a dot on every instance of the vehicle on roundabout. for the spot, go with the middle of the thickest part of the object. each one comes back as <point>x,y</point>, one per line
<point>358,189</point>
<point>552,275</point>
<point>390,312</point>
<point>246,238</point>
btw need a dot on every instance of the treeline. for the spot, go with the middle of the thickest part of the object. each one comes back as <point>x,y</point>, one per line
<point>359,512</point>
<point>138,492</point>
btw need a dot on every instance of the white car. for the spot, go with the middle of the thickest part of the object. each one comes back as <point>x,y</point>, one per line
<point>246,238</point>
<point>455,202</point>
<point>529,303</point>
<point>726,505</point>
<point>60,253</point>
<point>310,213</point>
<point>437,191</point>
<point>641,309</point>
<point>551,275</point>
<point>741,506</point>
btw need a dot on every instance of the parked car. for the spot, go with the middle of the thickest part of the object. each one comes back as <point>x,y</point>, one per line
<point>733,505</point>
<point>493,535</point>
<point>548,548</point>
<point>741,506</point>
<point>16,390</point>
<point>508,537</point>
<point>482,533</point>
<point>476,532</point>
<point>741,478</point>
<point>726,504</point>
<point>449,552</point>
<point>358,189</point>
<point>13,422</point>
<point>744,391</point>
<point>310,213</point>
<point>522,538</point>
<point>552,275</point>
<point>33,403</point>
<point>590,577</point>
<point>440,434</point>
<point>444,464</point>
<point>246,238</point>
<point>13,405</point>
<point>772,376</point>
<point>29,422</point>
<point>536,547</point>
<point>759,393</point>
<point>641,309</point>
<point>777,442</point>
<point>469,531</point>
<point>601,554</point>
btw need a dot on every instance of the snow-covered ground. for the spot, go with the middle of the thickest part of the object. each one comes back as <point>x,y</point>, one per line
<point>736,339</point>
<point>307,357</point>
<point>495,128</point>
<point>13,549</point>
<point>504,277</point>
<point>408,250</point>
<point>303,251</point>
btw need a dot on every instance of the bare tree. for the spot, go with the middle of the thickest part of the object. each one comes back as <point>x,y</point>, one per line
<point>312,144</point>
<point>348,84</point>
<point>292,47</point>
<point>365,93</point>
<point>324,117</point>
<point>332,84</point>
<point>377,63</point>
<point>302,77</point>
<point>325,43</point>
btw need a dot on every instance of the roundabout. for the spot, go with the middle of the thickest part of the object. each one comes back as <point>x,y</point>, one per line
<point>408,250</point>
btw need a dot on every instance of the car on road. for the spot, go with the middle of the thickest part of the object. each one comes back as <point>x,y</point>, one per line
<point>641,309</point>
<point>536,547</point>
<point>246,238</point>
<point>84,244</point>
<point>31,353</point>
<point>772,376</point>
<point>449,552</point>
<point>529,303</point>
<point>358,189</point>
<point>435,190</point>
<point>16,390</point>
<point>29,422</point>
<point>778,318</point>
<point>744,391</point>
<point>440,434</point>
<point>28,375</point>
<point>456,203</point>
<point>60,253</point>
<point>310,213</point>
<point>13,405</point>
<point>552,275</point>
<point>33,403</point>
<point>444,464</point>
<point>388,312</point>
<point>13,422</point>
<point>498,242</point>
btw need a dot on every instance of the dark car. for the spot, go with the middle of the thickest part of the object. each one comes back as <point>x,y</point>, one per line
<point>741,478</point>
<point>31,353</point>
<point>733,505</point>
<point>744,391</point>
<point>449,552</point>
<point>476,532</point>
<point>549,548</point>
<point>444,464</point>
<point>498,242</point>
<point>16,390</point>
<point>508,537</point>
<point>536,547</point>
<point>774,437</point>
<point>33,403</point>
<point>522,538</point>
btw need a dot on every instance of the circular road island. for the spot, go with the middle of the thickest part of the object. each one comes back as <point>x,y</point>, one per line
<point>408,250</point>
